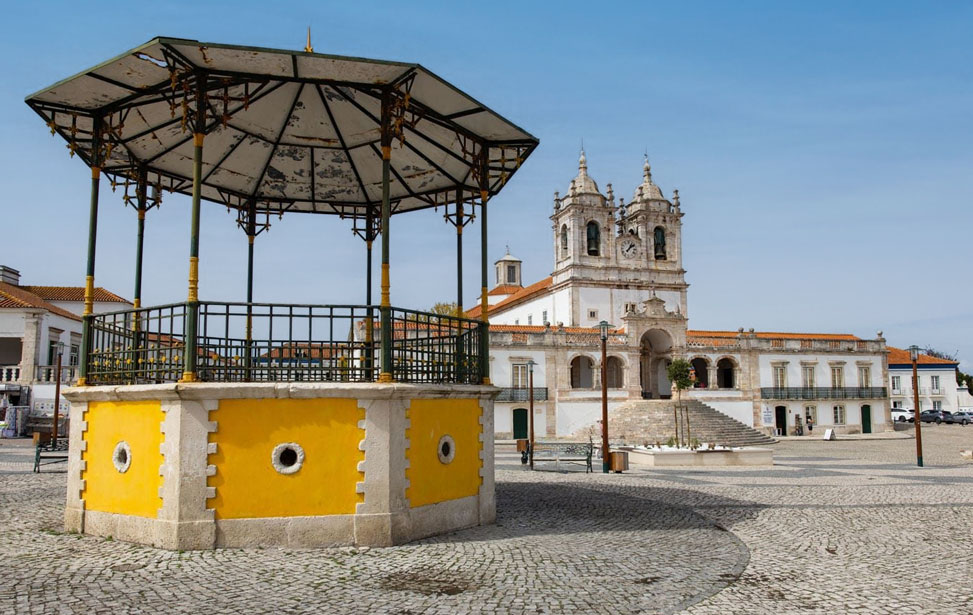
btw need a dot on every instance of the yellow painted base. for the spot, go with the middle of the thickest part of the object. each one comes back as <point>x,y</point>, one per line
<point>247,484</point>
<point>431,480</point>
<point>136,491</point>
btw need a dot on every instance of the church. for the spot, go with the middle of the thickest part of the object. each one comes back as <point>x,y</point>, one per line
<point>622,263</point>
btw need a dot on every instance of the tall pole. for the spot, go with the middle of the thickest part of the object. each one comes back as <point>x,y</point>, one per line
<point>530,395</point>
<point>192,298</point>
<point>459,251</point>
<point>89,281</point>
<point>370,318</point>
<point>251,236</point>
<point>484,174</point>
<point>605,449</point>
<point>915,400</point>
<point>386,307</point>
<point>57,393</point>
<point>141,206</point>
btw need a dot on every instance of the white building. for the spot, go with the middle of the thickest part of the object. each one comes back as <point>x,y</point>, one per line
<point>33,320</point>
<point>622,263</point>
<point>937,383</point>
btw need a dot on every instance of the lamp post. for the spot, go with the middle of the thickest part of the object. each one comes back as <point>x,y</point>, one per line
<point>605,449</point>
<point>57,392</point>
<point>530,409</point>
<point>914,355</point>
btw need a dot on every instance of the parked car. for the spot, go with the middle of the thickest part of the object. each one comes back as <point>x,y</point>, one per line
<point>963,418</point>
<point>933,416</point>
<point>901,415</point>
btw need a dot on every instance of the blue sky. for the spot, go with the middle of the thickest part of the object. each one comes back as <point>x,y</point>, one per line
<point>822,151</point>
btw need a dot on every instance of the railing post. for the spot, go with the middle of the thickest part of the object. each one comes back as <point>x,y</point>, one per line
<point>89,282</point>
<point>192,299</point>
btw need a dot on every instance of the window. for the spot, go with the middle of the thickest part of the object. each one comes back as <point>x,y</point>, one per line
<point>530,319</point>
<point>73,357</point>
<point>937,405</point>
<point>564,240</point>
<point>780,376</point>
<point>864,376</point>
<point>629,308</point>
<point>839,415</point>
<point>614,372</point>
<point>594,239</point>
<point>896,404</point>
<point>581,373</point>
<point>837,376</point>
<point>660,243</point>
<point>896,383</point>
<point>511,274</point>
<point>593,314</point>
<point>807,376</point>
<point>518,376</point>
<point>934,381</point>
<point>724,374</point>
<point>811,414</point>
<point>544,320</point>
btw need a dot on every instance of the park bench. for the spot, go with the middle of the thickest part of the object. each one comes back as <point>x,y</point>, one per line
<point>46,453</point>
<point>566,452</point>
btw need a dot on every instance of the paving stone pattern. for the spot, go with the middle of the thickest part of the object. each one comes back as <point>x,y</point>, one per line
<point>834,527</point>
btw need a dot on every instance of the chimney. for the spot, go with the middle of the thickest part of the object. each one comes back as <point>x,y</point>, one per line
<point>9,275</point>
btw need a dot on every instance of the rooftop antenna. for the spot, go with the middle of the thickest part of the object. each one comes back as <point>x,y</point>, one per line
<point>308,48</point>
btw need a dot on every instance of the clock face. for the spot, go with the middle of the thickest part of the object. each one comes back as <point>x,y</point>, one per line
<point>629,248</point>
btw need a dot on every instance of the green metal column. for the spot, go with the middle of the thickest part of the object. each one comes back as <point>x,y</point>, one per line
<point>142,197</point>
<point>484,270</point>
<point>458,355</point>
<point>192,299</point>
<point>89,281</point>
<point>386,307</point>
<point>369,354</point>
<point>251,235</point>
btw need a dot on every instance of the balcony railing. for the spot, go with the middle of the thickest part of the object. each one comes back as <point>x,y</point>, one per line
<point>926,391</point>
<point>48,373</point>
<point>262,342</point>
<point>823,392</point>
<point>516,394</point>
<point>9,373</point>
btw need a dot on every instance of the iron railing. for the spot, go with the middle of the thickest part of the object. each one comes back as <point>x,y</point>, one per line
<point>823,392</point>
<point>264,342</point>
<point>517,394</point>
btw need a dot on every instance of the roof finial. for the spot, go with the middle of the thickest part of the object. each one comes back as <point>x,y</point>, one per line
<point>508,249</point>
<point>582,161</point>
<point>647,170</point>
<point>308,47</point>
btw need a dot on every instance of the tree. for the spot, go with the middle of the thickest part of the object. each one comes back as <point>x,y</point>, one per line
<point>680,374</point>
<point>446,309</point>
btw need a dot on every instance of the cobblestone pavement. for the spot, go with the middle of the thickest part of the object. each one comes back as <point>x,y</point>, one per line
<point>833,527</point>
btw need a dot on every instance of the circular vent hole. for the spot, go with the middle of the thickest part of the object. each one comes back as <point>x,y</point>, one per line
<point>446,449</point>
<point>287,457</point>
<point>121,456</point>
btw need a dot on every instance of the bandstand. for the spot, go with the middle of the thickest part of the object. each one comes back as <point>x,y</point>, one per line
<point>203,424</point>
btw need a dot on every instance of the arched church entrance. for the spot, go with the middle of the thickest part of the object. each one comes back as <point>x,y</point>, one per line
<point>655,354</point>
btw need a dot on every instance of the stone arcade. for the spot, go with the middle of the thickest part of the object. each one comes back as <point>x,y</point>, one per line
<point>622,263</point>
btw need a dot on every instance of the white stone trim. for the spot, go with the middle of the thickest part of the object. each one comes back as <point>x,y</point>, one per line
<point>279,450</point>
<point>121,457</point>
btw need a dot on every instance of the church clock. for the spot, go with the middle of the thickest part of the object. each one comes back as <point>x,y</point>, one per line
<point>629,248</point>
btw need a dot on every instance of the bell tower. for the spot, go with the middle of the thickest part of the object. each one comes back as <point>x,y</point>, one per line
<point>650,238</point>
<point>582,224</point>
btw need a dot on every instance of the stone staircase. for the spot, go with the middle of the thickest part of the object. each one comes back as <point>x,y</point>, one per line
<point>651,421</point>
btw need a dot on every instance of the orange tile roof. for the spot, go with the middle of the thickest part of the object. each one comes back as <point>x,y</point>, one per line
<point>898,356</point>
<point>16,297</point>
<point>522,295</point>
<point>541,329</point>
<point>505,289</point>
<point>73,293</point>
<point>778,335</point>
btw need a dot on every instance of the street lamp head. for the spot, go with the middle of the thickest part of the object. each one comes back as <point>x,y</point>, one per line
<point>914,353</point>
<point>530,365</point>
<point>604,326</point>
<point>60,347</point>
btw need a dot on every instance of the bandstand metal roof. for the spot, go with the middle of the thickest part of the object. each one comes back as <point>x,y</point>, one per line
<point>290,130</point>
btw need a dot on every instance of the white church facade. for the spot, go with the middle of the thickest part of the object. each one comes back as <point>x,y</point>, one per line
<point>622,263</point>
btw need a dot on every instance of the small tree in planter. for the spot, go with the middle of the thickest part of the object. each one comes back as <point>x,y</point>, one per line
<point>680,374</point>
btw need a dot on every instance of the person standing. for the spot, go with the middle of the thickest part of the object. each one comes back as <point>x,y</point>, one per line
<point>810,424</point>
